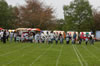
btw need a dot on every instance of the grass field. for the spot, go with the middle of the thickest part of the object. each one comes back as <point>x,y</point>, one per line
<point>30,54</point>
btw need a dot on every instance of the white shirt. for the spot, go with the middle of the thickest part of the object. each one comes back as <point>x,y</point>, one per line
<point>52,35</point>
<point>37,37</point>
<point>1,34</point>
<point>11,34</point>
<point>7,33</point>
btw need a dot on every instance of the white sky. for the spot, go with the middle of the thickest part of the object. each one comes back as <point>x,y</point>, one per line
<point>56,4</point>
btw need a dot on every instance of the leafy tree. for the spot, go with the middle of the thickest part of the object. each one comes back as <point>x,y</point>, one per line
<point>78,16</point>
<point>60,23</point>
<point>96,16</point>
<point>5,15</point>
<point>34,15</point>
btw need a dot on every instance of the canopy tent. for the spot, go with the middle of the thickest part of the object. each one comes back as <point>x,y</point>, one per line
<point>29,29</point>
<point>33,29</point>
<point>36,29</point>
<point>1,28</point>
<point>21,29</point>
<point>11,30</point>
<point>84,33</point>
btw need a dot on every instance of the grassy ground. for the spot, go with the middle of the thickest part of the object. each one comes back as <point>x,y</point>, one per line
<point>30,54</point>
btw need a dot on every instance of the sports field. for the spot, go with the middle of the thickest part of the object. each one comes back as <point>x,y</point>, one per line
<point>30,54</point>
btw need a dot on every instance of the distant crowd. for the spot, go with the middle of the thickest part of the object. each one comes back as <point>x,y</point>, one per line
<point>40,37</point>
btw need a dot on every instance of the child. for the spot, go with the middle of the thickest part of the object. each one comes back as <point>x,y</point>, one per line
<point>61,39</point>
<point>18,38</point>
<point>56,38</point>
<point>67,40</point>
<point>49,39</point>
<point>73,41</point>
<point>86,40</point>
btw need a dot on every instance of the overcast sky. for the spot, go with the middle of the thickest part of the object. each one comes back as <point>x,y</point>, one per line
<point>56,4</point>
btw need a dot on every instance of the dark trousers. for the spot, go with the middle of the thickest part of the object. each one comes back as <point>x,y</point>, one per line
<point>61,41</point>
<point>7,38</point>
<point>86,42</point>
<point>80,41</point>
<point>42,41</point>
<point>56,41</point>
<point>15,39</point>
<point>67,42</point>
<point>4,40</point>
<point>1,39</point>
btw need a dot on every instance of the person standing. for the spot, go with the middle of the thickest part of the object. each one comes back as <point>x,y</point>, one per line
<point>15,35</point>
<point>37,38</point>
<point>56,38</point>
<point>91,40</point>
<point>47,38</point>
<point>73,41</point>
<point>80,39</point>
<point>0,35</point>
<point>31,37</point>
<point>7,35</point>
<point>52,36</point>
<point>11,36</point>
<point>67,38</point>
<point>74,37</point>
<point>86,40</point>
<point>61,39</point>
<point>4,37</point>
<point>42,37</point>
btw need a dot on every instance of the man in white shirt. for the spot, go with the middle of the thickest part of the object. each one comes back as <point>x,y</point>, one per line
<point>52,36</point>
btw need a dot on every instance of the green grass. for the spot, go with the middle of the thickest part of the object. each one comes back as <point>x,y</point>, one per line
<point>31,54</point>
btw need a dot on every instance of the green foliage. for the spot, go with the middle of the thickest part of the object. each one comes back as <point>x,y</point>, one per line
<point>5,15</point>
<point>60,23</point>
<point>78,16</point>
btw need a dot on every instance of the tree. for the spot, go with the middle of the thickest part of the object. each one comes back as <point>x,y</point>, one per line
<point>60,23</point>
<point>34,15</point>
<point>5,15</point>
<point>78,16</point>
<point>96,16</point>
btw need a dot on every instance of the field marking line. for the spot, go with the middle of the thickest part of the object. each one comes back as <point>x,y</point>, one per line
<point>40,55</point>
<point>89,51</point>
<point>18,58</point>
<point>9,45</point>
<point>95,47</point>
<point>16,50</point>
<point>59,56</point>
<point>79,59</point>
<point>86,64</point>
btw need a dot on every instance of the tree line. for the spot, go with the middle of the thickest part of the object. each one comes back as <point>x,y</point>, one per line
<point>78,16</point>
<point>34,14</point>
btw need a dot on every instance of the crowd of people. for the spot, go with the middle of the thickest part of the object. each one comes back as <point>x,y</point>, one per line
<point>40,37</point>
